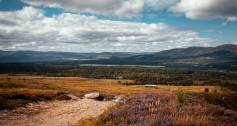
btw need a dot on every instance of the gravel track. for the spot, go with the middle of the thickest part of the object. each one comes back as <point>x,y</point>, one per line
<point>54,113</point>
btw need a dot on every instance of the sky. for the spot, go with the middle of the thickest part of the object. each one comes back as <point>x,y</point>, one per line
<point>116,25</point>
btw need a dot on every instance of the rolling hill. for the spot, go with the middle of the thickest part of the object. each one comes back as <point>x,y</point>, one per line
<point>220,57</point>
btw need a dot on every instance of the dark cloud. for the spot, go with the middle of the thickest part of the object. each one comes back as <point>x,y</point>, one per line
<point>207,9</point>
<point>103,7</point>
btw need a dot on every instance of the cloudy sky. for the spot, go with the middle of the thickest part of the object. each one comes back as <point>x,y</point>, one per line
<point>116,25</point>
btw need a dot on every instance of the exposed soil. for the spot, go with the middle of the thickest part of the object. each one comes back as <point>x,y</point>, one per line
<point>54,113</point>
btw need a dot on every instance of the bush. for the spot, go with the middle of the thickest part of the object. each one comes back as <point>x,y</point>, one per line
<point>206,90</point>
<point>182,97</point>
<point>10,85</point>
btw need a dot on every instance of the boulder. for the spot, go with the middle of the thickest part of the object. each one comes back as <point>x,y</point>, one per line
<point>93,95</point>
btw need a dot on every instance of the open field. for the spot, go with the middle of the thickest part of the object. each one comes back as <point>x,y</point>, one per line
<point>164,105</point>
<point>78,85</point>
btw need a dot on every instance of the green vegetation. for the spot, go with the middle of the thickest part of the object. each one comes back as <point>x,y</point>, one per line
<point>141,75</point>
<point>182,97</point>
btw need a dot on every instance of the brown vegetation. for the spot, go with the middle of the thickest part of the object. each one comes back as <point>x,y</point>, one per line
<point>79,86</point>
<point>17,95</point>
<point>163,105</point>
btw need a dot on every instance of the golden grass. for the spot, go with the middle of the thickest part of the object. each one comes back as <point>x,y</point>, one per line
<point>78,85</point>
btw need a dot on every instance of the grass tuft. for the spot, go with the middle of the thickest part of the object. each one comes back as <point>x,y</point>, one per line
<point>182,97</point>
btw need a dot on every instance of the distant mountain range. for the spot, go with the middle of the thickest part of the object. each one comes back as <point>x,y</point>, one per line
<point>34,56</point>
<point>220,57</point>
<point>223,57</point>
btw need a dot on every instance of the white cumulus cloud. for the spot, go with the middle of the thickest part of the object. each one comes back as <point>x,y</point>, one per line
<point>29,29</point>
<point>193,9</point>
<point>105,7</point>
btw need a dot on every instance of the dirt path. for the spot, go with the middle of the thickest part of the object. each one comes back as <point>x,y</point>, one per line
<point>57,113</point>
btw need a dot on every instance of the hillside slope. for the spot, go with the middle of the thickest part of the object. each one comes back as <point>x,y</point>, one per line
<point>220,57</point>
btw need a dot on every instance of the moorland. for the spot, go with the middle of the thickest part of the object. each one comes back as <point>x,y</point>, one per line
<point>151,96</point>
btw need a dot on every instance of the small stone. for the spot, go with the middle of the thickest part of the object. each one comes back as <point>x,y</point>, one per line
<point>93,95</point>
<point>119,99</point>
<point>73,97</point>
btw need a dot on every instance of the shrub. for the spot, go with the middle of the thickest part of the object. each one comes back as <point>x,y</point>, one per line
<point>206,90</point>
<point>182,97</point>
<point>10,85</point>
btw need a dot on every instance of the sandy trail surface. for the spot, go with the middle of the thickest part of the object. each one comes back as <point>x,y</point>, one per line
<point>55,113</point>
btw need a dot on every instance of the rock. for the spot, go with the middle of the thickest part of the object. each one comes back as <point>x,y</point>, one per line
<point>151,86</point>
<point>73,97</point>
<point>119,99</point>
<point>93,95</point>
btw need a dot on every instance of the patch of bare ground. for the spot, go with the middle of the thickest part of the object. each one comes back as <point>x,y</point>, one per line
<point>54,113</point>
